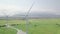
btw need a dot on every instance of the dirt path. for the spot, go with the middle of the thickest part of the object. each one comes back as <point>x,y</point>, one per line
<point>20,32</point>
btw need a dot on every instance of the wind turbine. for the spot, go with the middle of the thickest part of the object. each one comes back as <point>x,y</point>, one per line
<point>27,18</point>
<point>27,21</point>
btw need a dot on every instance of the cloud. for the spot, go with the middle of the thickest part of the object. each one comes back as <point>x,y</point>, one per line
<point>13,9</point>
<point>10,9</point>
<point>7,9</point>
<point>46,9</point>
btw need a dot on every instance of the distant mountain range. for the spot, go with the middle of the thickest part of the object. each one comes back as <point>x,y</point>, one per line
<point>37,14</point>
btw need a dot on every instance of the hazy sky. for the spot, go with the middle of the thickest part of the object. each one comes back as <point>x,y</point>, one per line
<point>15,6</point>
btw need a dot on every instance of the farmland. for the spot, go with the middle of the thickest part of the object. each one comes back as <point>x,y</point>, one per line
<point>35,26</point>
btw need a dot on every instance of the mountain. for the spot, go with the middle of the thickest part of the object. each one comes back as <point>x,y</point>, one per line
<point>38,14</point>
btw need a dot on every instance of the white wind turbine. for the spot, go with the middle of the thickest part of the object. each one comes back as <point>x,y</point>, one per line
<point>27,18</point>
<point>27,21</point>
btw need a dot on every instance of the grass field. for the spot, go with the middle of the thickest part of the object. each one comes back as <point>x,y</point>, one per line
<point>36,26</point>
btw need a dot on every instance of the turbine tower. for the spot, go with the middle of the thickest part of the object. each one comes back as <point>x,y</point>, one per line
<point>27,18</point>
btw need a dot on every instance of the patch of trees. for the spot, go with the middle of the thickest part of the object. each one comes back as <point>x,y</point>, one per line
<point>2,25</point>
<point>10,25</point>
<point>58,24</point>
<point>14,24</point>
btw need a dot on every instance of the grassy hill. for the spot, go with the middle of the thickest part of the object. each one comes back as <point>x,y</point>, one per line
<point>36,26</point>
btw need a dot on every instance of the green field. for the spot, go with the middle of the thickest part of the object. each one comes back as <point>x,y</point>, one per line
<point>36,26</point>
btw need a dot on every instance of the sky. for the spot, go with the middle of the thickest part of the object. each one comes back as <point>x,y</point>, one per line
<point>11,7</point>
